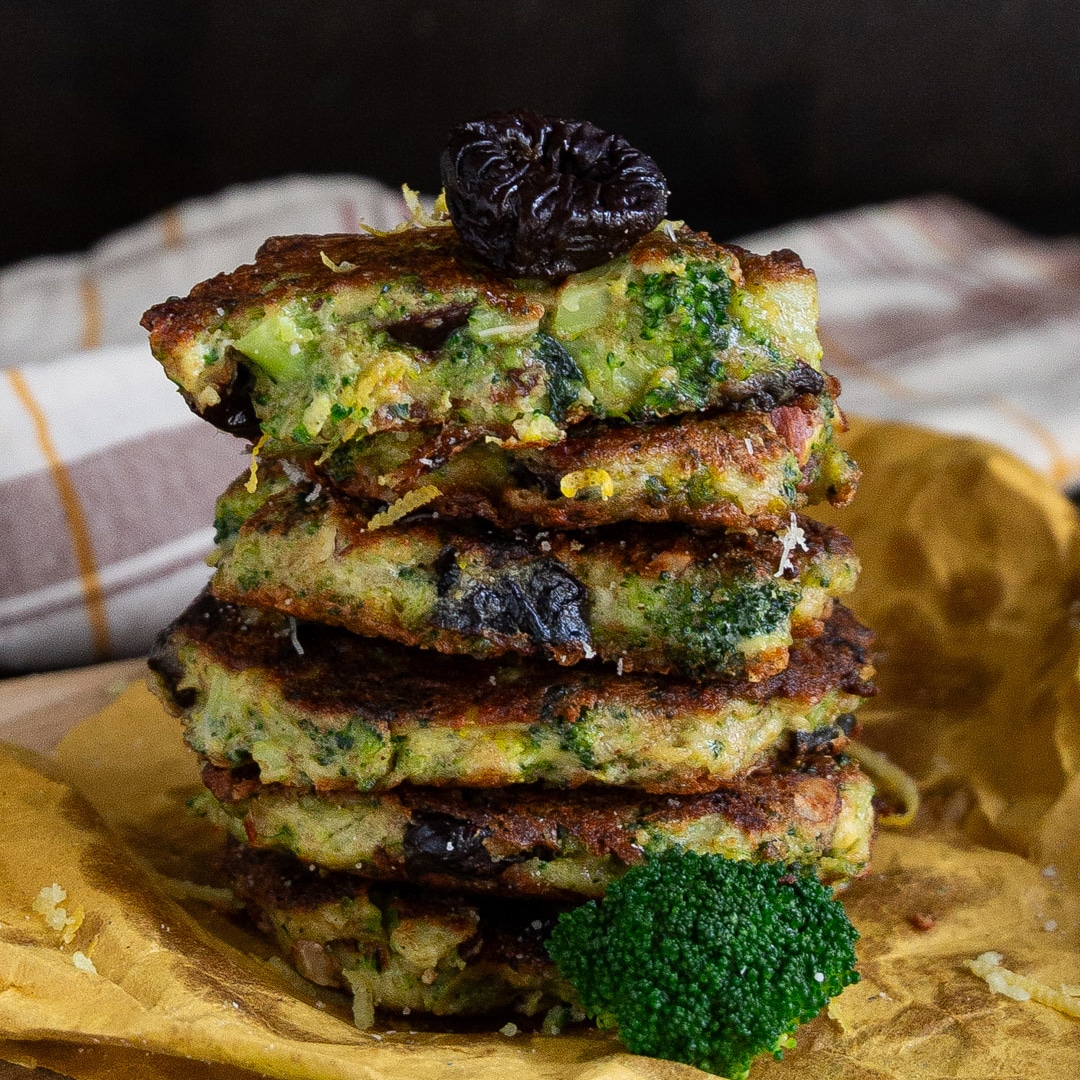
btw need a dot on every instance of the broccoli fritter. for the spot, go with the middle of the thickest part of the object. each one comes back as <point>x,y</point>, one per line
<point>524,841</point>
<point>736,470</point>
<point>708,961</point>
<point>350,712</point>
<point>655,598</point>
<point>327,339</point>
<point>399,948</point>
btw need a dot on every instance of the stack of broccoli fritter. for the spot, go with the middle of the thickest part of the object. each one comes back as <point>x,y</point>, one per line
<point>514,597</point>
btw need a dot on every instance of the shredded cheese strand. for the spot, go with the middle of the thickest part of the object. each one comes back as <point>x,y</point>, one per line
<point>342,267</point>
<point>1020,987</point>
<point>892,780</point>
<point>182,889</point>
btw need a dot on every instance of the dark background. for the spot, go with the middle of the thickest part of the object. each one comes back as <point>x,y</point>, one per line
<point>757,112</point>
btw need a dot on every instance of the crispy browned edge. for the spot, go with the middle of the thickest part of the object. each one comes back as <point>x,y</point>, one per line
<point>687,441</point>
<point>492,830</point>
<point>510,931</point>
<point>630,548</point>
<point>287,266</point>
<point>340,676</point>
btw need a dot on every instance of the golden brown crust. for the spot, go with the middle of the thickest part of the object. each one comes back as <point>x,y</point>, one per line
<point>719,470</point>
<point>274,884</point>
<point>481,841</point>
<point>631,547</point>
<point>565,596</point>
<point>774,268</point>
<point>340,674</point>
<point>287,265</point>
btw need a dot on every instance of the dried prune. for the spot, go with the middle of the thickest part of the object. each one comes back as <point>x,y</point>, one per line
<point>538,196</point>
<point>440,844</point>
<point>541,600</point>
<point>235,412</point>
<point>428,332</point>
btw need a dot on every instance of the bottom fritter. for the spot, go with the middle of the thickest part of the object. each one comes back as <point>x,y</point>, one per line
<point>529,842</point>
<point>398,948</point>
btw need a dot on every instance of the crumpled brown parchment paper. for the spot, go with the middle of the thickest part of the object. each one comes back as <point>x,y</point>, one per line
<point>972,580</point>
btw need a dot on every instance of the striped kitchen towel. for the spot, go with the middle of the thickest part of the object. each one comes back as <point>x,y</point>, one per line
<point>933,313</point>
<point>107,480</point>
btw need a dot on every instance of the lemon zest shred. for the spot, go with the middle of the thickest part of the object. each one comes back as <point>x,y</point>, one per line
<point>342,267</point>
<point>573,482</point>
<point>1020,987</point>
<point>418,218</point>
<point>892,780</point>
<point>408,502</point>
<point>47,905</point>
<point>253,477</point>
<point>73,922</point>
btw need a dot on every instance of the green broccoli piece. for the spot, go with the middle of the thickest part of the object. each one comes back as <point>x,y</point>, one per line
<point>707,960</point>
<point>689,312</point>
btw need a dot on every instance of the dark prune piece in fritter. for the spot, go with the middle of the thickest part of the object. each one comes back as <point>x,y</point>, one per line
<point>429,332</point>
<point>538,196</point>
<point>541,600</point>
<point>235,412</point>
<point>440,844</point>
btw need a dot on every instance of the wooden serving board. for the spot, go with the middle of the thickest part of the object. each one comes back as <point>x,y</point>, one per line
<point>36,711</point>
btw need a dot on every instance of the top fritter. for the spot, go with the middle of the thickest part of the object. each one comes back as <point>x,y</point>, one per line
<point>328,339</point>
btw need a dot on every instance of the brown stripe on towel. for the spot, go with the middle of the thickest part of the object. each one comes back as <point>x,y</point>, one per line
<point>90,300</point>
<point>172,228</point>
<point>137,496</point>
<point>73,512</point>
<point>347,216</point>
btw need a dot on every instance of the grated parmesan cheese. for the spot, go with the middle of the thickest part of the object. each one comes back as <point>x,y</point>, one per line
<point>408,502</point>
<point>1020,987</point>
<point>295,474</point>
<point>668,227</point>
<point>47,905</point>
<point>84,963</point>
<point>791,538</point>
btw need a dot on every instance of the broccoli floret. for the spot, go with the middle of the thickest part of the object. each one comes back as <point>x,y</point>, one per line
<point>690,312</point>
<point>707,960</point>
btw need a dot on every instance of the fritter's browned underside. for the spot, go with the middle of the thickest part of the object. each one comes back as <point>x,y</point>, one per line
<point>522,486</point>
<point>472,839</point>
<point>511,932</point>
<point>341,673</point>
